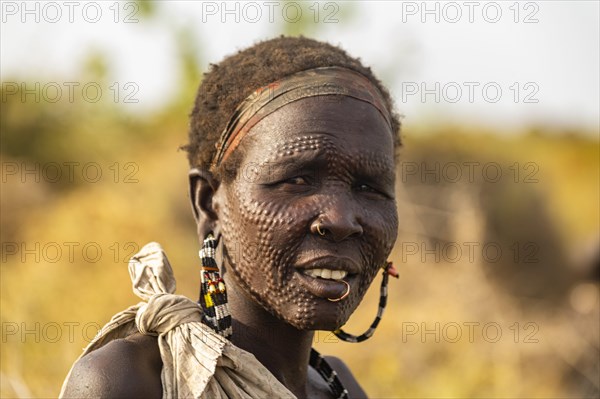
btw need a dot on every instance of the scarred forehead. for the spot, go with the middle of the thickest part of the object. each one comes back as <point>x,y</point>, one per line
<point>338,126</point>
<point>327,82</point>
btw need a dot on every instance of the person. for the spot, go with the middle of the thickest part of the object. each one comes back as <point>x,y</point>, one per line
<point>292,148</point>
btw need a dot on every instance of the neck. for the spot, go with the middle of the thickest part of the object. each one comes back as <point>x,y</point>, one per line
<point>280,347</point>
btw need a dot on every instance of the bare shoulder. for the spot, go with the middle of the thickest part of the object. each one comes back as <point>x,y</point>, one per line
<point>124,368</point>
<point>346,377</point>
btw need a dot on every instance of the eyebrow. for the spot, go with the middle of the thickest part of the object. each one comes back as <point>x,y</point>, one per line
<point>295,163</point>
<point>370,166</point>
<point>378,162</point>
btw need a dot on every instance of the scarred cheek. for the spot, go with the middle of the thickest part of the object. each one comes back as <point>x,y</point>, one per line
<point>267,235</point>
<point>381,222</point>
<point>380,235</point>
<point>390,227</point>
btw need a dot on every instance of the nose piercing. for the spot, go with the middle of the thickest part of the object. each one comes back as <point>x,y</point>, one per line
<point>318,227</point>
<point>343,296</point>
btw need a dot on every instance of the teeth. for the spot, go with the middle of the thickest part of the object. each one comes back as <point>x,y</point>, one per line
<point>327,273</point>
<point>337,274</point>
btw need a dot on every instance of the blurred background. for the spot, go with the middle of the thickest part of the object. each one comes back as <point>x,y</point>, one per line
<point>498,181</point>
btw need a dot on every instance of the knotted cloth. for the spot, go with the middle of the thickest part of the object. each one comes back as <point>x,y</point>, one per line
<point>197,362</point>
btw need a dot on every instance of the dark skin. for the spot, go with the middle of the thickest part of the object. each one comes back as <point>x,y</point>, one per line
<point>320,160</point>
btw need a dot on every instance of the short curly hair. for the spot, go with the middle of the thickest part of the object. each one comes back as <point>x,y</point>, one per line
<point>228,83</point>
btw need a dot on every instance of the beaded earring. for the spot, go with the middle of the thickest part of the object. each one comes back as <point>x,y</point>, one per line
<point>388,270</point>
<point>213,293</point>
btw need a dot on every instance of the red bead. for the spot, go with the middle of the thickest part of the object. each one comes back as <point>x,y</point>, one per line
<point>391,270</point>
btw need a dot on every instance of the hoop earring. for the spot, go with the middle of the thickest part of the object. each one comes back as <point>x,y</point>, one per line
<point>213,293</point>
<point>344,295</point>
<point>388,270</point>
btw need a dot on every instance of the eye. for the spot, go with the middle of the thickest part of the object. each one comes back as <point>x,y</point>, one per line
<point>366,187</point>
<point>297,181</point>
<point>296,184</point>
<point>371,190</point>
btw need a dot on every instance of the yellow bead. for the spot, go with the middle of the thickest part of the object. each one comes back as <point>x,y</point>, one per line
<point>211,289</point>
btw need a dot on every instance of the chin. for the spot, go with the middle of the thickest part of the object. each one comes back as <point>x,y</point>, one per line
<point>320,320</point>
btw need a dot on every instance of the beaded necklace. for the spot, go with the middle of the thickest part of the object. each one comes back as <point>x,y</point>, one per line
<point>329,375</point>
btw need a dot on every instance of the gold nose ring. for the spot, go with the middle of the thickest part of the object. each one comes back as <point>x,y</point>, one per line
<point>321,232</point>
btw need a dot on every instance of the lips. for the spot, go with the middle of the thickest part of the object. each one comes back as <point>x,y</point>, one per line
<point>324,276</point>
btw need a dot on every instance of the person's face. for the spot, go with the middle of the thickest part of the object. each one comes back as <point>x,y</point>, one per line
<point>328,159</point>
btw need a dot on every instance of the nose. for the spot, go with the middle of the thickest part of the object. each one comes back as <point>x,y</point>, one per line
<point>339,220</point>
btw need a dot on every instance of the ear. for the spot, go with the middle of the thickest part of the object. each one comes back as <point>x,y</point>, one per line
<point>203,189</point>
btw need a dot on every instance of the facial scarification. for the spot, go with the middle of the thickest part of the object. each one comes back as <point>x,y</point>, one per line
<point>311,160</point>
